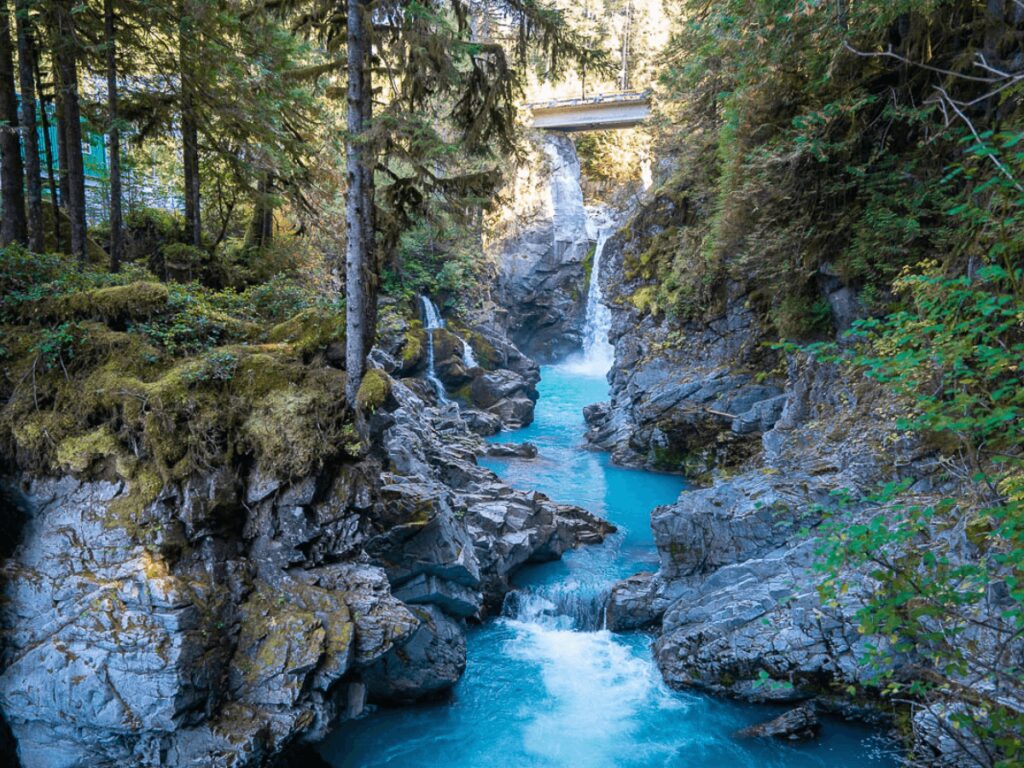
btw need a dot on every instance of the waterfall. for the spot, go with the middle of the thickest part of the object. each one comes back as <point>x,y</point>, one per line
<point>598,353</point>
<point>568,214</point>
<point>573,605</point>
<point>432,320</point>
<point>467,355</point>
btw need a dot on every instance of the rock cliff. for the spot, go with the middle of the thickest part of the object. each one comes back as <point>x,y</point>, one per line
<point>240,612</point>
<point>542,249</point>
<point>770,441</point>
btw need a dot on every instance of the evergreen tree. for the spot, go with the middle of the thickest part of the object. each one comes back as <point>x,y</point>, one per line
<point>26,79</point>
<point>13,228</point>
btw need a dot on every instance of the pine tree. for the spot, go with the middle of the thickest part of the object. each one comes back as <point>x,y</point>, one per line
<point>13,228</point>
<point>26,78</point>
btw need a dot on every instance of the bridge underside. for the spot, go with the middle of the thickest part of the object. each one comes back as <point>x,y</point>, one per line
<point>601,113</point>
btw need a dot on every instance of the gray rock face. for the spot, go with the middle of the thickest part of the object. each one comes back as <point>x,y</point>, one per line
<point>736,594</point>
<point>542,258</point>
<point>123,646</point>
<point>231,616</point>
<point>430,662</point>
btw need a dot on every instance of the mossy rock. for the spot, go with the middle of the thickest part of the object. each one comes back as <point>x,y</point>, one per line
<point>311,330</point>
<point>414,349</point>
<point>81,453</point>
<point>446,345</point>
<point>114,304</point>
<point>374,391</point>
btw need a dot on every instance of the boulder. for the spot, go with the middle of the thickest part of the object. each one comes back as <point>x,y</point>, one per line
<point>800,724</point>
<point>635,603</point>
<point>494,386</point>
<point>512,450</point>
<point>431,661</point>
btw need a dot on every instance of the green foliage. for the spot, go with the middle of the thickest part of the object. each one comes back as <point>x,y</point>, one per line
<point>950,571</point>
<point>56,346</point>
<point>806,160</point>
<point>215,366</point>
<point>438,257</point>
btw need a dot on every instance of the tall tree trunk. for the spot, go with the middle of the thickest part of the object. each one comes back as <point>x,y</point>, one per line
<point>68,70</point>
<point>372,265</point>
<point>261,227</point>
<point>51,176</point>
<point>62,139</point>
<point>11,171</point>
<point>359,242</point>
<point>116,234</point>
<point>26,77</point>
<point>189,128</point>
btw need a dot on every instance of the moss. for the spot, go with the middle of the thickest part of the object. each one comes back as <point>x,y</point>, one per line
<point>126,510</point>
<point>310,330</point>
<point>291,431</point>
<point>588,266</point>
<point>78,454</point>
<point>645,299</point>
<point>374,390</point>
<point>414,346</point>
<point>117,303</point>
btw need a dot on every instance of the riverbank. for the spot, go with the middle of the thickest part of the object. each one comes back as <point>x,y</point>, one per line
<point>545,683</point>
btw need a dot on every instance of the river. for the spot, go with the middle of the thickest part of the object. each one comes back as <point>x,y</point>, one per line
<point>545,686</point>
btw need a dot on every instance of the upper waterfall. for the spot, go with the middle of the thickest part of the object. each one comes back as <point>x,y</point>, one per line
<point>598,354</point>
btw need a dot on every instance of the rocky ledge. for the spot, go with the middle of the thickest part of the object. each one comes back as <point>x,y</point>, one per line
<point>735,604</point>
<point>239,613</point>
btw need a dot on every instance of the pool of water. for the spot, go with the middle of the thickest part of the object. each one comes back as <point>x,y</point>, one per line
<point>545,686</point>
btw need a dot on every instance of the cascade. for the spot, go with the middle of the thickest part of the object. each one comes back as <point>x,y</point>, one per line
<point>598,353</point>
<point>467,355</point>
<point>432,320</point>
<point>573,604</point>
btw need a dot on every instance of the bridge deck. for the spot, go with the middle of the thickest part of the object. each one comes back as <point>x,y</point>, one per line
<point>608,111</point>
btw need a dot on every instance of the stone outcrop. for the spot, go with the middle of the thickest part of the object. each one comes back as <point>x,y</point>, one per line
<point>542,249</point>
<point>499,392</point>
<point>735,600</point>
<point>241,612</point>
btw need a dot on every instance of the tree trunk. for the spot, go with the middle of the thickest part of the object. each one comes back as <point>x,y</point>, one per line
<point>189,130</point>
<point>116,233</point>
<point>68,70</point>
<point>62,139</point>
<point>11,171</point>
<point>50,175</point>
<point>359,242</point>
<point>261,227</point>
<point>26,77</point>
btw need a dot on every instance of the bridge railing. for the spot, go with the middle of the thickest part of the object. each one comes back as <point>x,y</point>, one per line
<point>602,98</point>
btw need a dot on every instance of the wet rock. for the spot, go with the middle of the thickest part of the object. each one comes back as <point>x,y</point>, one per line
<point>800,724</point>
<point>635,603</point>
<point>512,450</point>
<point>431,661</point>
<point>481,422</point>
<point>514,412</point>
<point>495,386</point>
<point>542,253</point>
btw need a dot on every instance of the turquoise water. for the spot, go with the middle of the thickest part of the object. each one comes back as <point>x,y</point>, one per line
<point>543,686</point>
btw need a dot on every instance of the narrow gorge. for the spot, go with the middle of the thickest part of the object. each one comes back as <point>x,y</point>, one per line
<point>630,385</point>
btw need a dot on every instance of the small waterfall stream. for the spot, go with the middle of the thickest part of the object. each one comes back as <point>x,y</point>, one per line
<point>432,321</point>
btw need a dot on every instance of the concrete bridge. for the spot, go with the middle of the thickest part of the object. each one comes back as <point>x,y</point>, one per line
<point>611,110</point>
